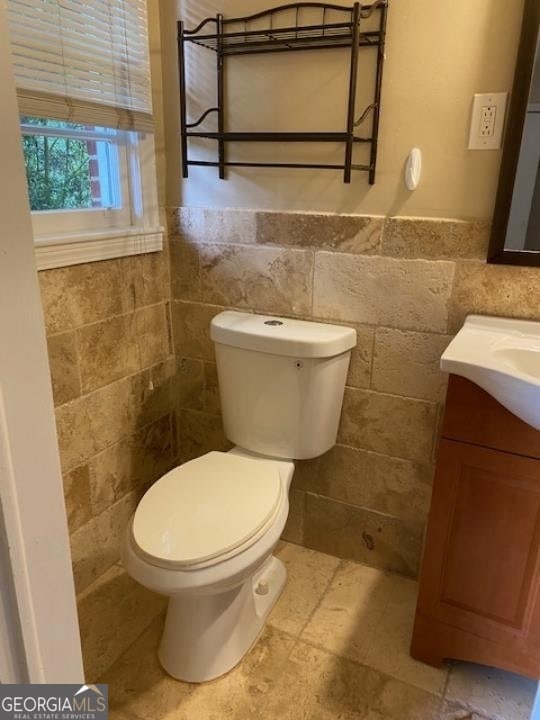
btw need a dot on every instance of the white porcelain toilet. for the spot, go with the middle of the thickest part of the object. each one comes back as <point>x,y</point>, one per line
<point>204,533</point>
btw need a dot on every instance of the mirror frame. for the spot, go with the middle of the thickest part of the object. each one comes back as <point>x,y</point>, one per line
<point>512,142</point>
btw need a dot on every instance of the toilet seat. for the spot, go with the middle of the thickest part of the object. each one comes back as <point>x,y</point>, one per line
<point>207,510</point>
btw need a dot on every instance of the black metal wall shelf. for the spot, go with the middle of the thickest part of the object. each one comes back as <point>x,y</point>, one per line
<point>228,41</point>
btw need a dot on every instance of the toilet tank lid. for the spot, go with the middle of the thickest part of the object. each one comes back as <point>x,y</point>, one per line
<point>281,336</point>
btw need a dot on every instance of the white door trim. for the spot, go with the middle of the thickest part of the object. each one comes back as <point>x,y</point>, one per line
<point>39,634</point>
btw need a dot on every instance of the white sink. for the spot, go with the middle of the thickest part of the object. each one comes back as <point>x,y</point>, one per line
<point>502,357</point>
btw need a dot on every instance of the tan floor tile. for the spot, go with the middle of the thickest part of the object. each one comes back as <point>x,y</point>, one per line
<point>496,694</point>
<point>454,711</point>
<point>389,650</point>
<point>139,687</point>
<point>308,575</point>
<point>351,605</point>
<point>118,715</point>
<point>367,616</point>
<point>319,685</point>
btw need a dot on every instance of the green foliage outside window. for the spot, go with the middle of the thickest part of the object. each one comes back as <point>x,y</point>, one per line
<point>57,168</point>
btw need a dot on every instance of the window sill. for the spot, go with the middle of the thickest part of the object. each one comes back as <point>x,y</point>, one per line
<point>74,249</point>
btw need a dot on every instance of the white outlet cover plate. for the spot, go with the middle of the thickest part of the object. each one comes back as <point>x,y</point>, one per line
<point>478,141</point>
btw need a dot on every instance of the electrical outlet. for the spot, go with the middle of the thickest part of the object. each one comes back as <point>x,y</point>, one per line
<point>488,118</point>
<point>487,121</point>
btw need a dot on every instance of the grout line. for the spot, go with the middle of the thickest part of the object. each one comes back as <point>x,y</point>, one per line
<point>146,426</point>
<point>79,366</point>
<point>138,429</point>
<point>434,403</point>
<point>318,318</point>
<point>130,376</point>
<point>338,567</point>
<point>313,276</point>
<point>110,669</point>
<point>404,523</point>
<point>114,316</point>
<point>393,678</point>
<point>372,358</point>
<point>445,689</point>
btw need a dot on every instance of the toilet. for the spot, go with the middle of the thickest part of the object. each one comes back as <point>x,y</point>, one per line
<point>204,533</point>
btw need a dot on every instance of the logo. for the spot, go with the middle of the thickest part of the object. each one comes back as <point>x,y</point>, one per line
<point>54,702</point>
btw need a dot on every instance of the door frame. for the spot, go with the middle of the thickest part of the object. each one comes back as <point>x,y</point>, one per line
<point>39,632</point>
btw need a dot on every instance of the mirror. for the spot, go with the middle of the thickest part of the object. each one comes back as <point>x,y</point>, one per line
<point>515,238</point>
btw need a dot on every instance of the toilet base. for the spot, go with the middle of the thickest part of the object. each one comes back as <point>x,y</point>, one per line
<point>205,636</point>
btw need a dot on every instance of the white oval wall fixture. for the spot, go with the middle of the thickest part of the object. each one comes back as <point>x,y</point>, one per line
<point>413,169</point>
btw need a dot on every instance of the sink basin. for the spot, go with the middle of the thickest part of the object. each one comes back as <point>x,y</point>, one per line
<point>502,356</point>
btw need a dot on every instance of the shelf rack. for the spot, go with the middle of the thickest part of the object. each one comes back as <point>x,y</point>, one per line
<point>235,36</point>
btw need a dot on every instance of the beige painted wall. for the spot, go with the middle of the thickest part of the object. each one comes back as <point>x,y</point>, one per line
<point>438,55</point>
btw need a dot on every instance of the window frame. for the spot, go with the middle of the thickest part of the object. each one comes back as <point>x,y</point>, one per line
<point>73,236</point>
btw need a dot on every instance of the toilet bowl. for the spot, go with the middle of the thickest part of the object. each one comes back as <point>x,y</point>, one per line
<point>204,533</point>
<point>224,585</point>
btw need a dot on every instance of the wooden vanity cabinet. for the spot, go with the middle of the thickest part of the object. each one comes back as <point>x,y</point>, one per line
<point>479,596</point>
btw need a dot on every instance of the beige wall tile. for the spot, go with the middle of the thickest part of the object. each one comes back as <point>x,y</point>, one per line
<point>185,273</point>
<point>388,424</point>
<point>434,238</point>
<point>306,474</point>
<point>113,613</point>
<point>95,547</point>
<point>171,218</point>
<point>294,528</point>
<point>494,290</point>
<point>340,474</point>
<point>210,225</point>
<point>363,535</point>
<point>148,280</point>
<point>212,402</point>
<point>346,233</point>
<point>123,345</point>
<point>117,335</point>
<point>400,488</point>
<point>409,294</point>
<point>132,464</point>
<point>64,366</point>
<point>270,280</point>
<point>200,433</point>
<point>361,358</point>
<point>191,329</point>
<point>408,363</point>
<point>189,384</point>
<point>77,496</point>
<point>90,424</point>
<point>82,294</point>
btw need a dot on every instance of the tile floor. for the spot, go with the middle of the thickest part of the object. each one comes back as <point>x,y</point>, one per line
<point>335,646</point>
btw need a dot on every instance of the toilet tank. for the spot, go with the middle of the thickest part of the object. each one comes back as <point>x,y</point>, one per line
<point>281,382</point>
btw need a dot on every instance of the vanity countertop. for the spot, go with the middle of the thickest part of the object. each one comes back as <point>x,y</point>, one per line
<point>502,356</point>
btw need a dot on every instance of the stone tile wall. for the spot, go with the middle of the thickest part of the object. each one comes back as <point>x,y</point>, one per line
<point>131,402</point>
<point>406,285</point>
<point>113,368</point>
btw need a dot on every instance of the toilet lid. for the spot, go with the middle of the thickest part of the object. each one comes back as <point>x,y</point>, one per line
<point>206,508</point>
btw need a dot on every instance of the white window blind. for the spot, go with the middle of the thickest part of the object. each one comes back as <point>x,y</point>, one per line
<point>83,62</point>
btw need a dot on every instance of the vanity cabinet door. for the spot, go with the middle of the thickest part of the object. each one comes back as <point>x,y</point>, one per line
<point>479,585</point>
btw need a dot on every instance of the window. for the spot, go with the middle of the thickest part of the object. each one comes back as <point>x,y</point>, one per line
<point>71,166</point>
<point>83,83</point>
